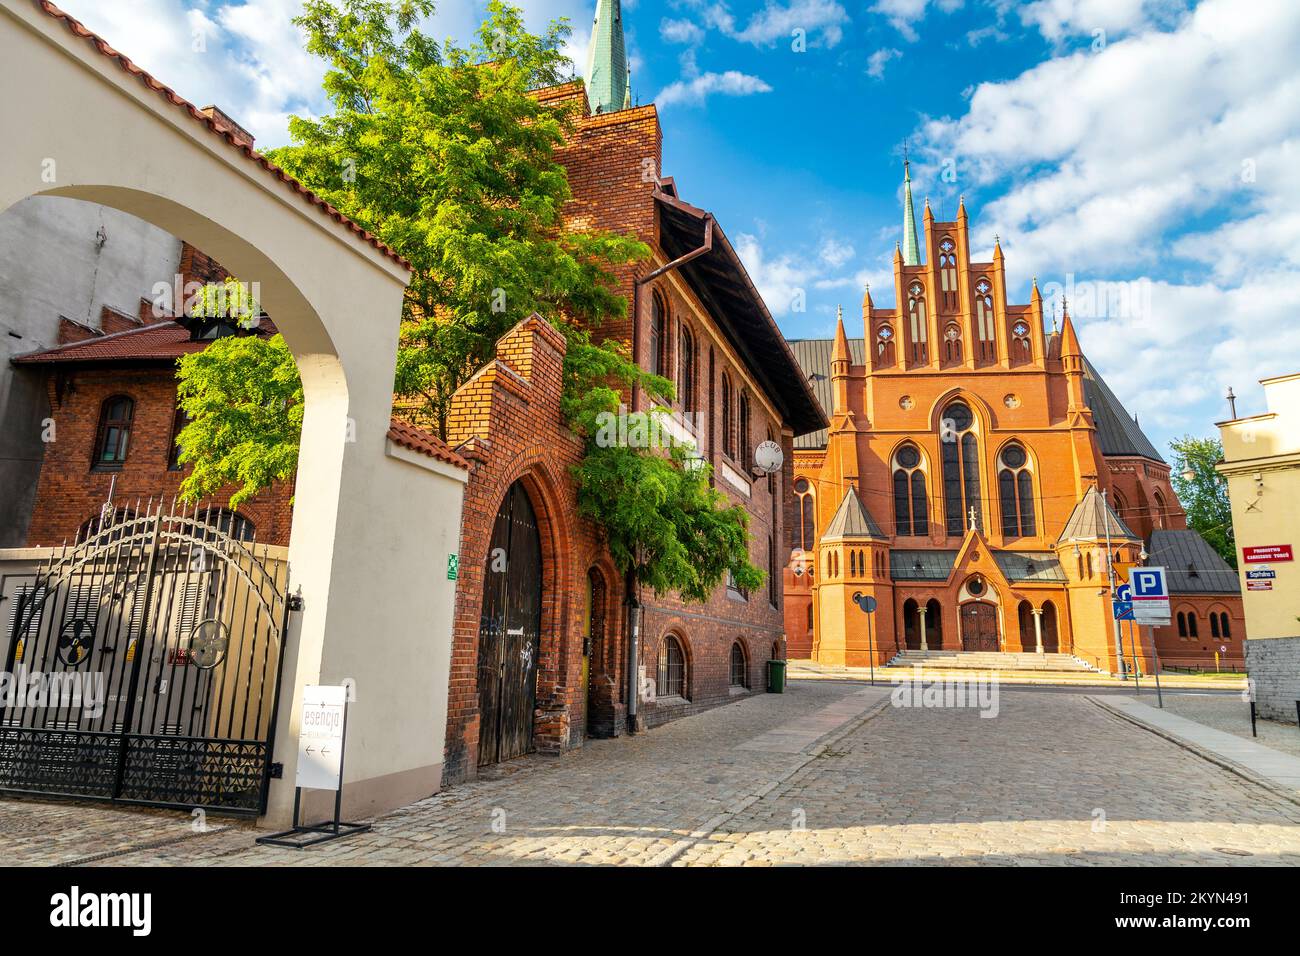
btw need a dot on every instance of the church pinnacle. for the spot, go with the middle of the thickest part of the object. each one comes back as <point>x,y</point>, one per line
<point>911,247</point>
<point>608,73</point>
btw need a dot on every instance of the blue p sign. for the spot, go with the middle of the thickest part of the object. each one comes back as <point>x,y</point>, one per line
<point>1148,583</point>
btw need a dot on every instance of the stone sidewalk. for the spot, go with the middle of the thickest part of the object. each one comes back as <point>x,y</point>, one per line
<point>828,773</point>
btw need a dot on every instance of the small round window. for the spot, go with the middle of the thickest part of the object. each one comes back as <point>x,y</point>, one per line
<point>909,457</point>
<point>975,586</point>
<point>1013,456</point>
<point>961,416</point>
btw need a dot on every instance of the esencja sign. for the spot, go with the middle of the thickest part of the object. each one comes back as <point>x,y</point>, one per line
<point>322,739</point>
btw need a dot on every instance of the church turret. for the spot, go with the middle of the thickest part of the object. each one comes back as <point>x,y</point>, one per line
<point>841,361</point>
<point>608,73</point>
<point>911,243</point>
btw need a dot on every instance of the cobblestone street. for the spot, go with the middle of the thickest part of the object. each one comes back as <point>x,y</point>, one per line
<point>825,774</point>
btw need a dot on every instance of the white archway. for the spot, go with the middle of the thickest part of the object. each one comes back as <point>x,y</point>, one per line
<point>82,122</point>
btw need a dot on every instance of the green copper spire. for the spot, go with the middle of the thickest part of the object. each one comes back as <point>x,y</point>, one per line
<point>911,248</point>
<point>607,69</point>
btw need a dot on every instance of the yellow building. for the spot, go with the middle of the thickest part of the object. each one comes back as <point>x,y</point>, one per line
<point>1261,461</point>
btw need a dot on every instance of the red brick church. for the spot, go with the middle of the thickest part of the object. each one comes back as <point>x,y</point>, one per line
<point>976,477</point>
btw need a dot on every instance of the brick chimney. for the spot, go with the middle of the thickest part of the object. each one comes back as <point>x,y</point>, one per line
<point>226,125</point>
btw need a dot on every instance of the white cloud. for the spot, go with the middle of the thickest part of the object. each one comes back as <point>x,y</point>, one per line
<point>680,31</point>
<point>876,62</point>
<point>822,22</point>
<point>1101,160</point>
<point>835,253</point>
<point>1057,19</point>
<point>699,88</point>
<point>246,57</point>
<point>904,15</point>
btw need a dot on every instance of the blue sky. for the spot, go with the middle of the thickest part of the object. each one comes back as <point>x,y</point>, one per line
<point>1142,153</point>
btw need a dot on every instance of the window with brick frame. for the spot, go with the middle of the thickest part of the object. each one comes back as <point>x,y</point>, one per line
<point>739,666</point>
<point>772,572</point>
<point>728,431</point>
<point>672,668</point>
<point>686,371</point>
<point>179,421</point>
<point>658,343</point>
<point>743,451</point>
<point>113,437</point>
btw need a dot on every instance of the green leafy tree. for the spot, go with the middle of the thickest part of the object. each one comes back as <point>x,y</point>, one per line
<point>1205,494</point>
<point>445,156</point>
<point>243,400</point>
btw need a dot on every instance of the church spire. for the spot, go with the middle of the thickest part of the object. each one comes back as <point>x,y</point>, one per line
<point>911,247</point>
<point>608,73</point>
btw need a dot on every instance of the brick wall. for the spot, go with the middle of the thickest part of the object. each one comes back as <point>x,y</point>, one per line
<point>71,491</point>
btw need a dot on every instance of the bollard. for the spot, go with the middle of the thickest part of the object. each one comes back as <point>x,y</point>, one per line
<point>1253,732</point>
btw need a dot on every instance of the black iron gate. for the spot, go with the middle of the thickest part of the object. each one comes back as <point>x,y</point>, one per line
<point>510,631</point>
<point>147,659</point>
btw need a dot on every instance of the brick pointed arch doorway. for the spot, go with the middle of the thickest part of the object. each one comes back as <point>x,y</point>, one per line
<point>510,631</point>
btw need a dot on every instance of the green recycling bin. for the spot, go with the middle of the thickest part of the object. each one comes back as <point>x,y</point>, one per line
<point>776,677</point>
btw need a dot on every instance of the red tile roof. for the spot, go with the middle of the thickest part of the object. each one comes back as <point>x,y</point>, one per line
<point>80,30</point>
<point>161,342</point>
<point>425,443</point>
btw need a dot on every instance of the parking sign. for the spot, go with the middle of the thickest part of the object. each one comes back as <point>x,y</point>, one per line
<point>1150,596</point>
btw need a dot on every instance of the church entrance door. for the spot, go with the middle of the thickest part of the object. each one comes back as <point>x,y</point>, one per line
<point>979,627</point>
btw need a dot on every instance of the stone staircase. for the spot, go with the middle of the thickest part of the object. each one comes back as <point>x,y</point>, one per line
<point>990,661</point>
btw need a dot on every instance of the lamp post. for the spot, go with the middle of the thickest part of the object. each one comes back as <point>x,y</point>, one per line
<point>868,605</point>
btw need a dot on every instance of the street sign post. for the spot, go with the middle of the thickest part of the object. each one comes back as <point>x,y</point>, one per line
<point>322,738</point>
<point>1150,596</point>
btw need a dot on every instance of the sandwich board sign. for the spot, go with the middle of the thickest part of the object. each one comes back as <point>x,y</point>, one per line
<point>1150,596</point>
<point>320,738</point>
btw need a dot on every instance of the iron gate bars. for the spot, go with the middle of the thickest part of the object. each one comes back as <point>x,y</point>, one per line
<point>144,664</point>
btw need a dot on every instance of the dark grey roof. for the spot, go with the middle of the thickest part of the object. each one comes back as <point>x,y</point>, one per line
<point>1029,565</point>
<point>1117,432</point>
<point>908,565</point>
<point>1193,567</point>
<point>852,520</point>
<point>814,357</point>
<point>1093,519</point>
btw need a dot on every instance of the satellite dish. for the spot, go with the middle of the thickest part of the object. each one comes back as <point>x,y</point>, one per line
<point>768,457</point>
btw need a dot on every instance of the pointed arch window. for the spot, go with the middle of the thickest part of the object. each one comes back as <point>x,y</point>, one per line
<point>1022,350</point>
<point>1016,492</point>
<point>952,344</point>
<point>948,271</point>
<point>885,353</point>
<point>728,431</point>
<point>911,503</point>
<point>806,533</point>
<point>984,321</point>
<point>1159,516</point>
<point>919,322</point>
<point>686,371</point>
<point>742,455</point>
<point>961,467</point>
<point>658,343</point>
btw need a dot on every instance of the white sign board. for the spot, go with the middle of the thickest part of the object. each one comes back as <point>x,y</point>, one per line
<point>1150,595</point>
<point>320,738</point>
